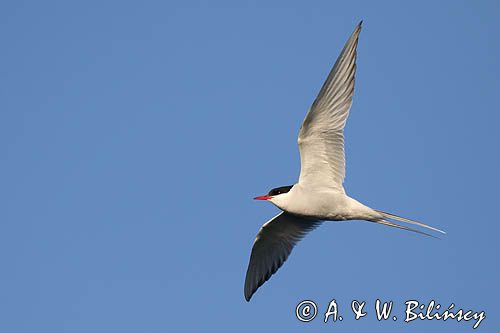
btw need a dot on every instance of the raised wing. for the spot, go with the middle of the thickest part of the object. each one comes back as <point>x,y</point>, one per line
<point>321,137</point>
<point>272,246</point>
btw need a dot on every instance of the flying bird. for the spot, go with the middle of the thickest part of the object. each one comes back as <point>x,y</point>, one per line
<point>319,194</point>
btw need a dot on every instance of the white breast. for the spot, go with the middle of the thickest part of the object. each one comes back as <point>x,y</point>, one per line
<point>322,203</point>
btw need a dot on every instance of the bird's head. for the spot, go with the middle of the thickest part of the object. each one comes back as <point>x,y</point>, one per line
<point>274,193</point>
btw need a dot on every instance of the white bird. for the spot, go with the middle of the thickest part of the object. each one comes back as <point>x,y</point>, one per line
<point>319,195</point>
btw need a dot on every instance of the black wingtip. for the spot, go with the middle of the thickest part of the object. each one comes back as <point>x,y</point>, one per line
<point>247,292</point>
<point>360,24</point>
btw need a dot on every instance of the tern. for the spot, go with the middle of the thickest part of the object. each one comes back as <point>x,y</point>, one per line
<point>319,194</point>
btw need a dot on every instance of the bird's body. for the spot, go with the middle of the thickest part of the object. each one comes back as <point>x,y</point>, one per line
<point>319,194</point>
<point>327,204</point>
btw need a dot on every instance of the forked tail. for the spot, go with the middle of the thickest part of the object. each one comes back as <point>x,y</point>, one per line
<point>403,219</point>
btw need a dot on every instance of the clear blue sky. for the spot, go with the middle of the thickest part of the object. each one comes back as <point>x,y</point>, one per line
<point>134,136</point>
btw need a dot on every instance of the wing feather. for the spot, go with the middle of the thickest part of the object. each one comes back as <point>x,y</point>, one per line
<point>321,137</point>
<point>272,246</point>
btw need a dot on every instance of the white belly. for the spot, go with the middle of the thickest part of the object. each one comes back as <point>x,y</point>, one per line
<point>323,204</point>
